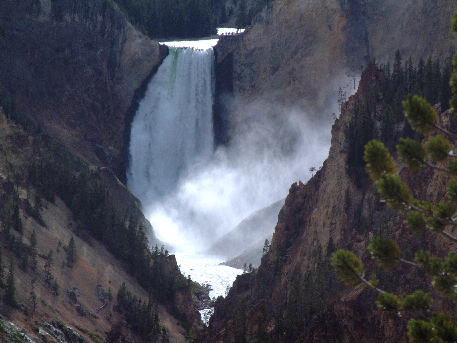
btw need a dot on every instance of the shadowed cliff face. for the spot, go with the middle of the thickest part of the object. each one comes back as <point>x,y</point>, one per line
<point>295,296</point>
<point>74,67</point>
<point>50,187</point>
<point>305,46</point>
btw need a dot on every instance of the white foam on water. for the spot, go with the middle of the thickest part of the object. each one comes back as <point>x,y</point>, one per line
<point>229,31</point>
<point>207,270</point>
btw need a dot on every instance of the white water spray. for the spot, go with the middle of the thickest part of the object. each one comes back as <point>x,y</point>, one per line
<point>172,135</point>
<point>173,127</point>
<point>193,195</point>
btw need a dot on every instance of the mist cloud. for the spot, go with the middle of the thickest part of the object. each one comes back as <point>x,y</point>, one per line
<point>266,155</point>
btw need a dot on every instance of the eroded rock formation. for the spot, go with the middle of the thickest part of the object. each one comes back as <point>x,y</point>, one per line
<point>295,296</point>
<point>74,68</point>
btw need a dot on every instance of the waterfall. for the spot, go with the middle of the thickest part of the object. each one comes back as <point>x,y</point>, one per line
<point>172,131</point>
<point>193,196</point>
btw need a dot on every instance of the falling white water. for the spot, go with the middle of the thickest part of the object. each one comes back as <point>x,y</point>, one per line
<point>173,127</point>
<point>193,195</point>
<point>172,134</point>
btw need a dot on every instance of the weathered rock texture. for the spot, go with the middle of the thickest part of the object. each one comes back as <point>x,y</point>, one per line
<point>295,296</point>
<point>251,233</point>
<point>232,13</point>
<point>300,53</point>
<point>74,67</point>
<point>85,297</point>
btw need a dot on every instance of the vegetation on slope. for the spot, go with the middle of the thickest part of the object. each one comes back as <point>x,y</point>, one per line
<point>35,165</point>
<point>434,150</point>
<point>189,18</point>
<point>310,305</point>
<point>171,18</point>
<point>429,79</point>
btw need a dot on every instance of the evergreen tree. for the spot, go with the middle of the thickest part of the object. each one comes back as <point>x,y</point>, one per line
<point>33,301</point>
<point>266,246</point>
<point>9,211</point>
<point>420,77</point>
<point>171,18</point>
<point>10,292</point>
<point>1,269</point>
<point>397,74</point>
<point>142,317</point>
<point>439,218</point>
<point>242,17</point>
<point>33,251</point>
<point>48,277</point>
<point>445,90</point>
<point>71,253</point>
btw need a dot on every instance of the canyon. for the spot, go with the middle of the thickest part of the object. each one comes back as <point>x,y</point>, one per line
<point>79,76</point>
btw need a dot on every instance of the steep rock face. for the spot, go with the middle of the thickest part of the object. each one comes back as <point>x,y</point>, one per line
<point>294,296</point>
<point>81,295</point>
<point>251,233</point>
<point>74,68</point>
<point>233,13</point>
<point>304,49</point>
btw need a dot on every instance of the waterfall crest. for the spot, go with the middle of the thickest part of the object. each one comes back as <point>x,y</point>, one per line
<point>172,131</point>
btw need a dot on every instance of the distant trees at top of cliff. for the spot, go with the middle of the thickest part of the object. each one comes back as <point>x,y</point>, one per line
<point>427,213</point>
<point>394,81</point>
<point>171,18</point>
<point>190,18</point>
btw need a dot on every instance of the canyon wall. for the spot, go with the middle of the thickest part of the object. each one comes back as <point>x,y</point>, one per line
<point>301,53</point>
<point>71,75</point>
<point>73,68</point>
<point>298,57</point>
<point>294,296</point>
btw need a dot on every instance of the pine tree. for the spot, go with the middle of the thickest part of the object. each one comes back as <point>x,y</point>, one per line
<point>436,152</point>
<point>1,269</point>
<point>242,17</point>
<point>266,246</point>
<point>33,251</point>
<point>71,253</point>
<point>33,301</point>
<point>48,277</point>
<point>10,292</point>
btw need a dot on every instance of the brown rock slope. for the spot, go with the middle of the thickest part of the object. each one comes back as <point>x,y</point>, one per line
<point>74,67</point>
<point>47,191</point>
<point>307,46</point>
<point>294,296</point>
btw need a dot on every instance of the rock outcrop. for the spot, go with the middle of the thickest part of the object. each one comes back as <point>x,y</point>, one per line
<point>44,189</point>
<point>71,74</point>
<point>304,49</point>
<point>295,296</point>
<point>75,68</point>
<point>250,233</point>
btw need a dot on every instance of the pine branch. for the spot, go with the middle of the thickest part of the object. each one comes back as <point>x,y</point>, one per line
<point>444,221</point>
<point>363,280</point>
<point>444,170</point>
<point>449,235</point>
<point>368,283</point>
<point>408,262</point>
<point>443,130</point>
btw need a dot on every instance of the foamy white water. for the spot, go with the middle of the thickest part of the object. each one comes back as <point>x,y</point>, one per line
<point>206,269</point>
<point>173,128</point>
<point>203,44</point>
<point>228,31</point>
<point>193,195</point>
<point>172,133</point>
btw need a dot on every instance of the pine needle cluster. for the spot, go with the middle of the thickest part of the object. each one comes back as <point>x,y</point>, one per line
<point>436,151</point>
